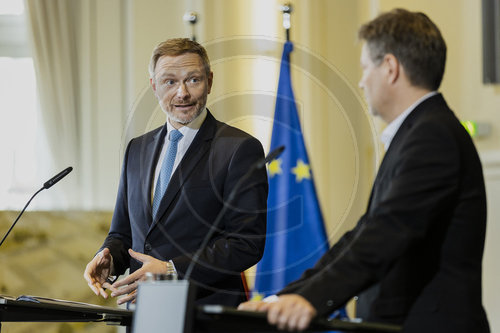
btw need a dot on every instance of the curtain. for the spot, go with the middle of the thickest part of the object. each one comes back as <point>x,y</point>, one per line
<point>52,36</point>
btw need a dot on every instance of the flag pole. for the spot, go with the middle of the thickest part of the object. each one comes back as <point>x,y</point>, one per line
<point>286,9</point>
<point>192,18</point>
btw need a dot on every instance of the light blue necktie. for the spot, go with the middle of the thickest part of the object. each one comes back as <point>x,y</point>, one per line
<point>166,170</point>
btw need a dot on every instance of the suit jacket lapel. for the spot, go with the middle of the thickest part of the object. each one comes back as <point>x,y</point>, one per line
<point>198,148</point>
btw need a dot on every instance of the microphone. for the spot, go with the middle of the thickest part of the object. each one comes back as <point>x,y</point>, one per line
<point>256,166</point>
<point>270,157</point>
<point>46,185</point>
<point>52,181</point>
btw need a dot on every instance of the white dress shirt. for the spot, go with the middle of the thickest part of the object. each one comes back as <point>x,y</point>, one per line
<point>189,132</point>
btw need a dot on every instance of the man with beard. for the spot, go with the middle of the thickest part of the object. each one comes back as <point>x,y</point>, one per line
<point>175,180</point>
<point>414,258</point>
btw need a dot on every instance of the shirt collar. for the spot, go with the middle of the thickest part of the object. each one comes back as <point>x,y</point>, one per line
<point>391,129</point>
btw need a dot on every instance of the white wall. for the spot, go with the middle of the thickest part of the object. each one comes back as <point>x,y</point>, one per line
<point>491,264</point>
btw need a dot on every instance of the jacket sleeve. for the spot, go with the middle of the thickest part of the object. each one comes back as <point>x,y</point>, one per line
<point>424,180</point>
<point>330,256</point>
<point>119,238</point>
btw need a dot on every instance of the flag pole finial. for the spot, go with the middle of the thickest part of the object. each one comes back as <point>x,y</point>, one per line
<point>192,18</point>
<point>286,9</point>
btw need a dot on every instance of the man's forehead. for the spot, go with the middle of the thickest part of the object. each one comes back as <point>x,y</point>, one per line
<point>365,54</point>
<point>180,61</point>
<point>178,69</point>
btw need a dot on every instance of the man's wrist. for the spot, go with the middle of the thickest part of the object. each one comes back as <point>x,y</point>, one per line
<point>170,267</point>
<point>111,266</point>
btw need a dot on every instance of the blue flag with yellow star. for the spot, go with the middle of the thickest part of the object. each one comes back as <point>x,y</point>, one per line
<point>296,236</point>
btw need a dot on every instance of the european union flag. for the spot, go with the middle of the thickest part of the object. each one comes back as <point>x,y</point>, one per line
<point>296,236</point>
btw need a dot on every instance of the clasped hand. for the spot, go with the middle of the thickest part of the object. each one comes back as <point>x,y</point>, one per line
<point>99,268</point>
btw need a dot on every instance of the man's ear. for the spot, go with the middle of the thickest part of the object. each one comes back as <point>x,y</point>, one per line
<point>392,67</point>
<point>210,81</point>
<point>153,84</point>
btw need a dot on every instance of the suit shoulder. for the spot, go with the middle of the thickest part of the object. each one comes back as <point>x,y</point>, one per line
<point>229,141</point>
<point>228,131</point>
<point>439,130</point>
<point>444,123</point>
<point>147,136</point>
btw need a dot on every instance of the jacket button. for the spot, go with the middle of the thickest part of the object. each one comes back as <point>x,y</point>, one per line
<point>148,247</point>
<point>329,302</point>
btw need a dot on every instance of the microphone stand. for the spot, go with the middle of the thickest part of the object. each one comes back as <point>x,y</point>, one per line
<point>18,216</point>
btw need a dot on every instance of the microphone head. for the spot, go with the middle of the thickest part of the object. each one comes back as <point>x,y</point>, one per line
<point>56,178</point>
<point>274,154</point>
<point>271,156</point>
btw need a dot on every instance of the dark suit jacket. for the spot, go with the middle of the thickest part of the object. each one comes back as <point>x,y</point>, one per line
<point>217,158</point>
<point>418,249</point>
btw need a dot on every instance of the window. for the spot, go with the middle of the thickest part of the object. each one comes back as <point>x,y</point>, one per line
<point>19,126</point>
<point>11,7</point>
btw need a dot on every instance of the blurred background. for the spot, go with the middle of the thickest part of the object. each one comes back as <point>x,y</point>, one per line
<point>74,88</point>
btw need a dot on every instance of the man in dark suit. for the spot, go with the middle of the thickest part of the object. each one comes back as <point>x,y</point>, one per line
<point>414,258</point>
<point>175,181</point>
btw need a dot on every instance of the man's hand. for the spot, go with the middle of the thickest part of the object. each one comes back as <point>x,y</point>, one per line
<point>97,272</point>
<point>128,285</point>
<point>260,306</point>
<point>291,311</point>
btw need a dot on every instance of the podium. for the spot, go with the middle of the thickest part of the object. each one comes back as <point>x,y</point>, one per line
<point>34,309</point>
<point>207,318</point>
<point>217,318</point>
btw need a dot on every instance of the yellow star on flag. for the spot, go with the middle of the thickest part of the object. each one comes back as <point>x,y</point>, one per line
<point>301,171</point>
<point>275,167</point>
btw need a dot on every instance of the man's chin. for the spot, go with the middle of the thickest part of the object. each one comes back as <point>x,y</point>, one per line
<point>184,120</point>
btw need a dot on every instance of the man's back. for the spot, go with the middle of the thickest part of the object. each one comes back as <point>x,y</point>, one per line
<point>432,174</point>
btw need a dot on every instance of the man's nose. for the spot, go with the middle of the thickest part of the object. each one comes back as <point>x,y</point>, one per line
<point>182,90</point>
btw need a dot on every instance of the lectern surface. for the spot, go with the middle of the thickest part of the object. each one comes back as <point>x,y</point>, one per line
<point>208,318</point>
<point>217,318</point>
<point>39,309</point>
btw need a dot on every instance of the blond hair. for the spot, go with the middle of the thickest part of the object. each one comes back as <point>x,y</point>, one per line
<point>175,47</point>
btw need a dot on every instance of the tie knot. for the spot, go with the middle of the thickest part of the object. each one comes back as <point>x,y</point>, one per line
<point>175,135</point>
